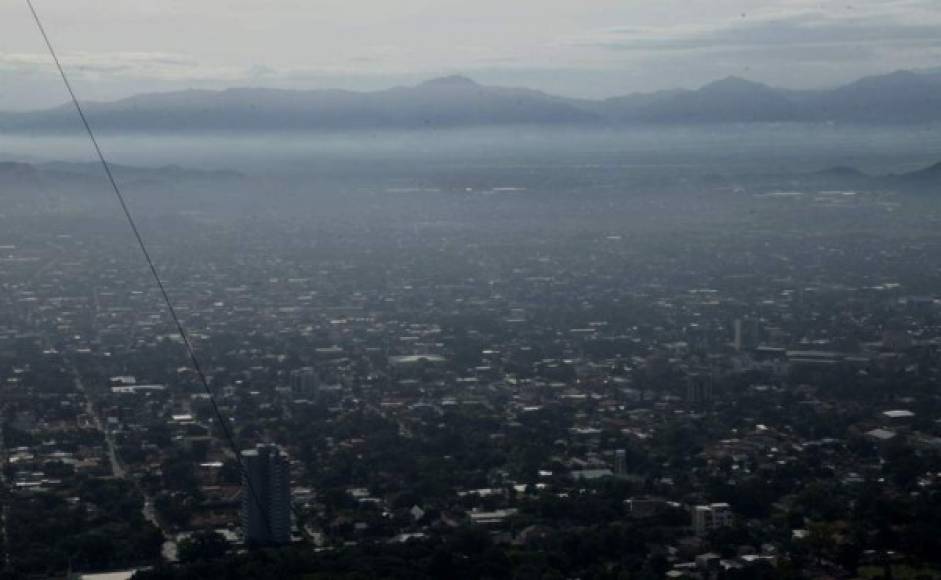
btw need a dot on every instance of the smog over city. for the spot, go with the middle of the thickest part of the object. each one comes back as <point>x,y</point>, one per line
<point>449,290</point>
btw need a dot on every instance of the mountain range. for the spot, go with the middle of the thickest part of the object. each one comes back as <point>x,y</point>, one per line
<point>901,97</point>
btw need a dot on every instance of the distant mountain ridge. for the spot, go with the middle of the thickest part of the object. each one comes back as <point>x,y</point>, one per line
<point>66,188</point>
<point>34,176</point>
<point>447,102</point>
<point>901,97</point>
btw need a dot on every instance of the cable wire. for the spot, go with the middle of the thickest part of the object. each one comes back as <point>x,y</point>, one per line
<point>190,351</point>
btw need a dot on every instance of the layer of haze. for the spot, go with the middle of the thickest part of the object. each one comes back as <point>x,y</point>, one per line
<point>694,151</point>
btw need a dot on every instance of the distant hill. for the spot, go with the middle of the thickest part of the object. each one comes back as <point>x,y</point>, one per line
<point>902,97</point>
<point>732,99</point>
<point>899,97</point>
<point>445,102</point>
<point>927,180</point>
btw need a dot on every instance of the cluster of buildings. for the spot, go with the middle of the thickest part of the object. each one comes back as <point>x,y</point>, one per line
<point>393,391</point>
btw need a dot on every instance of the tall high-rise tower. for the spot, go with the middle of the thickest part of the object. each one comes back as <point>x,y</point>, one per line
<point>304,382</point>
<point>266,501</point>
<point>620,462</point>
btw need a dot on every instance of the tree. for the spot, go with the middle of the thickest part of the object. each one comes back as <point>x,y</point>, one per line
<point>203,546</point>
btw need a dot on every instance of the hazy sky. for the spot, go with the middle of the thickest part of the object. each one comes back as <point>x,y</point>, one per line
<point>575,47</point>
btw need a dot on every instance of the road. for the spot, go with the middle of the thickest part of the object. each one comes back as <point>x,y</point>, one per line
<point>170,548</point>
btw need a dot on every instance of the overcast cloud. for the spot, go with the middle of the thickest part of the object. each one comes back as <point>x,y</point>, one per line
<point>587,48</point>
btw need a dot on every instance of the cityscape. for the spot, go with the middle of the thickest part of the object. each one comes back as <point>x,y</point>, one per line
<point>731,383</point>
<point>425,290</point>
